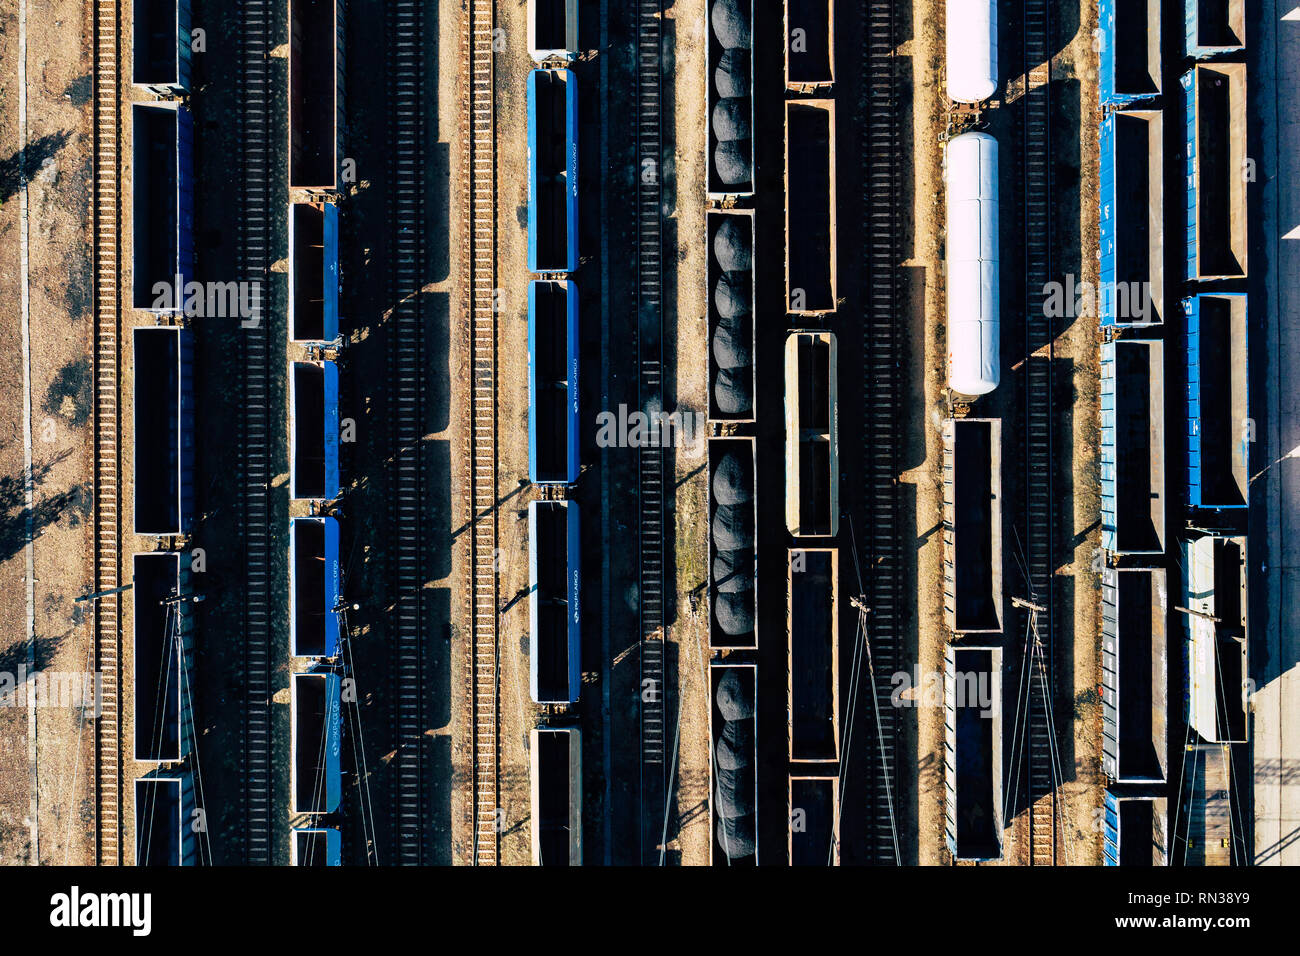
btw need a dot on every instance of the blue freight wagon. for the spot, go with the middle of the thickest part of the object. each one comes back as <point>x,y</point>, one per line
<point>162,205</point>
<point>316,110</point>
<point>317,846</point>
<point>1132,205</point>
<point>1134,675</point>
<point>315,584</point>
<point>1215,95</point>
<point>163,436</point>
<point>553,349</point>
<point>1218,401</point>
<point>555,764</point>
<point>313,272</point>
<point>552,171</point>
<point>972,696</point>
<point>729,99</point>
<point>1136,830</point>
<point>164,820</point>
<point>1214,27</point>
<point>162,655</point>
<point>554,605</point>
<point>314,430</point>
<point>316,742</point>
<point>1132,447</point>
<point>1130,51</point>
<point>160,54</point>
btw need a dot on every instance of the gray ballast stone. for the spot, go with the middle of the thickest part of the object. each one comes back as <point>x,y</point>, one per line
<point>733,571</point>
<point>731,246</point>
<point>732,162</point>
<point>731,24</point>
<point>731,119</point>
<point>731,392</point>
<point>731,294</point>
<point>735,700</point>
<point>736,745</point>
<point>731,78</point>
<point>731,484</point>
<point>731,347</point>
<point>736,837</point>
<point>735,792</point>
<point>733,527</point>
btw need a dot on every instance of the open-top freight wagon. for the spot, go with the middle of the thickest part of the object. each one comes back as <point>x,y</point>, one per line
<point>1215,27</point>
<point>315,587</point>
<point>160,53</point>
<point>554,602</point>
<point>729,100</point>
<point>164,820</point>
<point>1217,235</point>
<point>1137,830</point>
<point>814,836</point>
<point>809,44</point>
<point>316,742</point>
<point>162,657</point>
<point>733,740</point>
<point>1130,51</point>
<point>1132,289</point>
<point>313,272</point>
<point>733,561</point>
<point>1133,447</point>
<point>314,430</point>
<point>162,210</point>
<point>1219,426</point>
<point>731,295</point>
<point>552,171</point>
<point>552,29</point>
<point>316,83</point>
<point>812,467</point>
<point>555,764</point>
<point>1217,662</point>
<point>163,438</point>
<point>1135,675</point>
<point>972,525</point>
<point>317,846</point>
<point>553,350</point>
<point>810,247</point>
<point>812,654</point>
<point>972,695</point>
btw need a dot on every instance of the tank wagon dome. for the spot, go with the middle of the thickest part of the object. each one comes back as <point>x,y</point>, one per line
<point>732,75</point>
<point>730,24</point>
<point>735,701</point>
<point>972,50</point>
<point>972,264</point>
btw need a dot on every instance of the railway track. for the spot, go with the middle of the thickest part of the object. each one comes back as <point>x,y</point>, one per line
<point>255,119</point>
<point>479,276</point>
<point>405,52</point>
<point>881,402</point>
<point>1039,459</point>
<point>108,627</point>
<point>651,459</point>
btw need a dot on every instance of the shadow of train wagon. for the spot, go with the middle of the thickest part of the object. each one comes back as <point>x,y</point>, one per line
<point>316,77</point>
<point>162,656</point>
<point>552,171</point>
<point>553,350</point>
<point>316,742</point>
<point>163,439</point>
<point>164,820</point>
<point>314,430</point>
<point>733,725</point>
<point>554,602</point>
<point>315,587</point>
<point>972,693</point>
<point>321,846</point>
<point>1137,830</point>
<point>313,272</point>
<point>555,758</point>
<point>161,44</point>
<point>162,205</point>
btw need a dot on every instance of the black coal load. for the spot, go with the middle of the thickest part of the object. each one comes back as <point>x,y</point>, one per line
<point>734,768</point>
<point>732,330</point>
<point>732,527</point>
<point>732,137</point>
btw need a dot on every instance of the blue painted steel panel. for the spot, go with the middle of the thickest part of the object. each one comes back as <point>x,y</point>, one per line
<point>1108,539</point>
<point>1195,484</point>
<point>1110,846</point>
<point>1196,49</point>
<point>1117,171</point>
<point>328,638</point>
<point>149,40</point>
<point>1189,150</point>
<point>333,586</point>
<point>1106,201</point>
<point>330,294</point>
<point>330,783</point>
<point>185,194</point>
<point>1111,58</point>
<point>570,133</point>
<point>332,425</point>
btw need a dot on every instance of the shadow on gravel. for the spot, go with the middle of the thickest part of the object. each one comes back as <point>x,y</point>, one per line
<point>20,165</point>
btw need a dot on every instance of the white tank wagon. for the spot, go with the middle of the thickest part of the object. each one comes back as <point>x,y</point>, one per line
<point>972,50</point>
<point>974,323</point>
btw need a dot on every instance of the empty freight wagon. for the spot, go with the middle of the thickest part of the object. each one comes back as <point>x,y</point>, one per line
<point>317,847</point>
<point>730,235</point>
<point>1215,26</point>
<point>733,515</point>
<point>809,43</point>
<point>164,820</point>
<point>1217,648</point>
<point>814,821</point>
<point>812,469</point>
<point>1133,447</point>
<point>1219,426</point>
<point>554,591</point>
<point>313,272</point>
<point>160,54</point>
<point>1205,835</point>
<point>314,430</point>
<point>316,70</point>
<point>316,742</point>
<point>812,632</point>
<point>162,210</point>
<point>553,438</point>
<point>972,693</point>
<point>972,524</point>
<point>1137,830</point>
<point>1217,235</point>
<point>1132,219</point>
<point>552,29</point>
<point>1130,50</point>
<point>164,430</point>
<point>161,653</point>
<point>552,171</point>
<point>1135,675</point>
<point>810,265</point>
<point>729,99</point>
<point>733,726</point>
<point>555,762</point>
<point>315,584</point>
